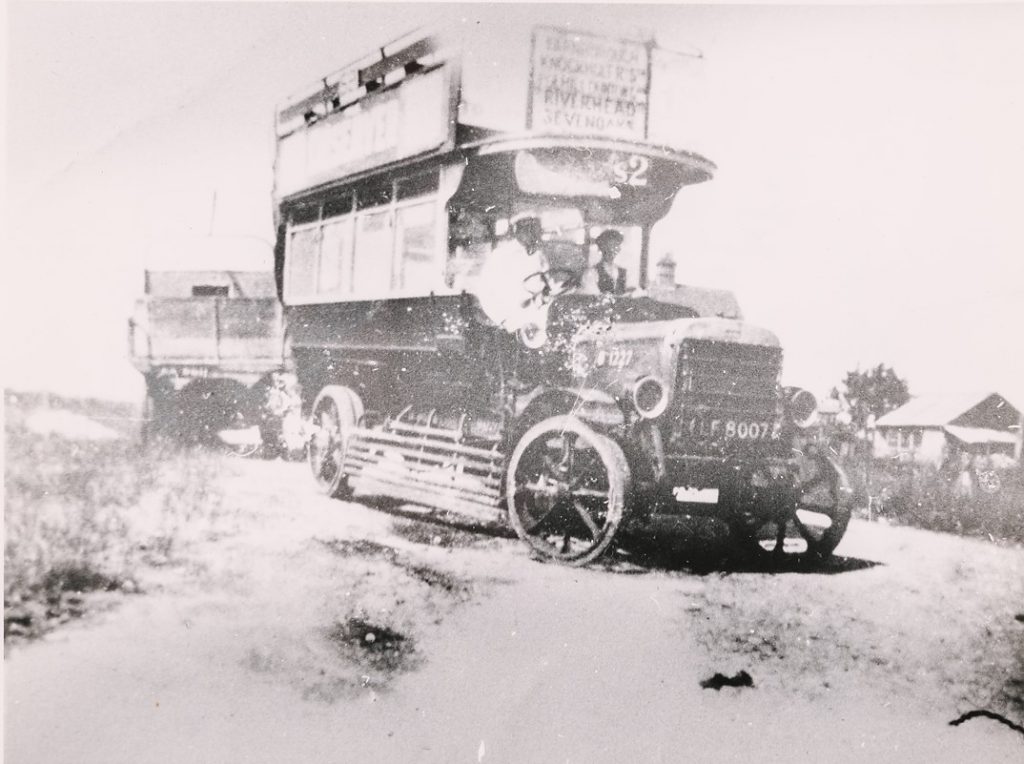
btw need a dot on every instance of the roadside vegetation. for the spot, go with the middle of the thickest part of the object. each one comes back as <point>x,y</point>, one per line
<point>84,512</point>
<point>983,502</point>
<point>971,495</point>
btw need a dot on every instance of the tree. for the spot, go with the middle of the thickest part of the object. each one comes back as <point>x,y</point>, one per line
<point>874,392</point>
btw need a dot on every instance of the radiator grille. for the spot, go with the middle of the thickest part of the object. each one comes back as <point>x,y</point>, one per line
<point>724,382</point>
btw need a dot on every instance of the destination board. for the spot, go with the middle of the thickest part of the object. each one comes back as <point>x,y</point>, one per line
<point>586,84</point>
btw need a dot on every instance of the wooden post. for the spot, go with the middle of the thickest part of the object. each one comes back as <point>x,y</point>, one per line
<point>869,429</point>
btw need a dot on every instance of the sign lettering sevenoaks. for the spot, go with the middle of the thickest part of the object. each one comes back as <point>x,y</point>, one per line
<point>383,127</point>
<point>589,85</point>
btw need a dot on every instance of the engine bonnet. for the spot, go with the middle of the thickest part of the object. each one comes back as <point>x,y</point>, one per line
<point>674,331</point>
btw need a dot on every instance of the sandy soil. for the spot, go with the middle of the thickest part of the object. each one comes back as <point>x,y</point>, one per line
<point>303,629</point>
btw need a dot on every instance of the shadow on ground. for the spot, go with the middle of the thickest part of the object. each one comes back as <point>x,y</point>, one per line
<point>425,526</point>
<point>699,555</point>
<point>701,549</point>
<point>701,546</point>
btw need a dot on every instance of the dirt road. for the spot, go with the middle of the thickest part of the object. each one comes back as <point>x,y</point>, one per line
<point>307,630</point>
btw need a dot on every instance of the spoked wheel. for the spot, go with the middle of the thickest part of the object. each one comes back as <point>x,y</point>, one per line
<point>805,522</point>
<point>335,412</point>
<point>567,488</point>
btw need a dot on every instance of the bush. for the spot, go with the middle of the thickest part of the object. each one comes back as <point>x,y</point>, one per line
<point>987,502</point>
<point>82,515</point>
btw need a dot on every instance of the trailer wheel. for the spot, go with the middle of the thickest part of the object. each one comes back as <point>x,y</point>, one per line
<point>336,411</point>
<point>807,523</point>
<point>566,490</point>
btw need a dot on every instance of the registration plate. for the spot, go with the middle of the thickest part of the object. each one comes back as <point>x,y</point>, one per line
<point>730,429</point>
<point>688,494</point>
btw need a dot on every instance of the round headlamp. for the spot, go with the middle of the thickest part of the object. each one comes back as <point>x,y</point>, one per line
<point>801,406</point>
<point>649,396</point>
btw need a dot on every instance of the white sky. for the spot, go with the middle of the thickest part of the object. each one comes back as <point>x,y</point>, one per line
<point>867,206</point>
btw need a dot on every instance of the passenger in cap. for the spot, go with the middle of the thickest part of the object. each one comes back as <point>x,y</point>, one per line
<point>606,277</point>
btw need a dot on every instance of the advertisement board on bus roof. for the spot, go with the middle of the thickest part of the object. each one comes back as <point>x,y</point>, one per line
<point>381,128</point>
<point>406,101</point>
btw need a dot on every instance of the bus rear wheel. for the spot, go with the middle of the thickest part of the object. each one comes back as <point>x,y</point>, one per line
<point>336,412</point>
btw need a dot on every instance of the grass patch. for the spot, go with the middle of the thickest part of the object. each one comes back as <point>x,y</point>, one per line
<point>82,515</point>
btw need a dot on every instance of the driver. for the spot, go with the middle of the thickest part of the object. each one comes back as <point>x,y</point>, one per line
<point>606,277</point>
<point>514,276</point>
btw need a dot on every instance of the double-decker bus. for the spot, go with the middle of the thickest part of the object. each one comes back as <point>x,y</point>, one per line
<point>400,180</point>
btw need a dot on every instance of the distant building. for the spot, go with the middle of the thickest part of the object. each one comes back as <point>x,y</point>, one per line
<point>934,428</point>
<point>706,302</point>
<point>833,412</point>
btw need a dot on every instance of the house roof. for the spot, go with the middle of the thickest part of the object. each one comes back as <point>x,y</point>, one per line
<point>932,410</point>
<point>978,435</point>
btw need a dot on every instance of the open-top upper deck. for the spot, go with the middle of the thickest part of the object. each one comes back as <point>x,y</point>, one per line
<point>537,88</point>
<point>396,178</point>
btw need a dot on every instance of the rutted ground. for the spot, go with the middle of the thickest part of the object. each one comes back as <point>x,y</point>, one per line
<point>316,630</point>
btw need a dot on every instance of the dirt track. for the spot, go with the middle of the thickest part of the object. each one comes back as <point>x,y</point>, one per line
<point>308,630</point>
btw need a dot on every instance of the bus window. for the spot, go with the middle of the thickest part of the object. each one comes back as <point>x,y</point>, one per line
<point>339,205</point>
<point>376,195</point>
<point>304,213</point>
<point>380,239</point>
<point>469,243</point>
<point>417,185</point>
<point>419,266</point>
<point>372,259</point>
<point>300,282</point>
<point>335,257</point>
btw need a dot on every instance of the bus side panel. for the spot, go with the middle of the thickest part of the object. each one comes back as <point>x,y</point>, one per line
<point>422,351</point>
